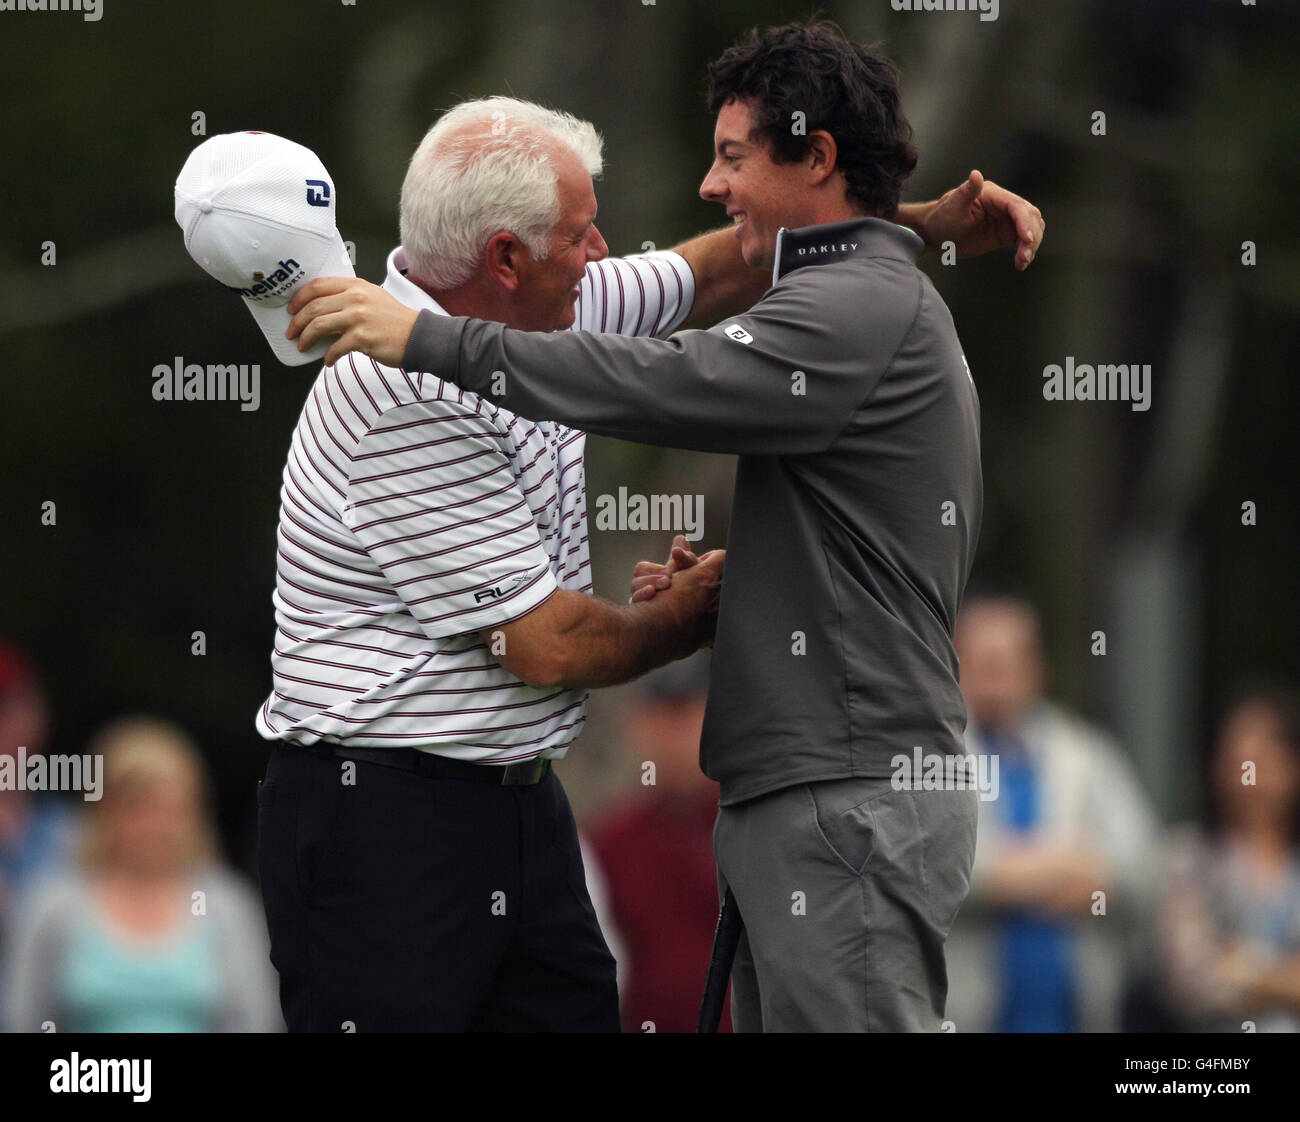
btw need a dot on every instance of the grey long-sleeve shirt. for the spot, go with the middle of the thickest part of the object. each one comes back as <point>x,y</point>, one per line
<point>858,499</point>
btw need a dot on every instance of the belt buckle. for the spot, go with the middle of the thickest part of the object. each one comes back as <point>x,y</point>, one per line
<point>523,774</point>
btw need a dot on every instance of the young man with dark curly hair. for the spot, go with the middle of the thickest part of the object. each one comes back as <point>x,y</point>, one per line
<point>846,395</point>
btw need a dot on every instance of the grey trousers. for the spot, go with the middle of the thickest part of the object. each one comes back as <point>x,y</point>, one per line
<point>848,889</point>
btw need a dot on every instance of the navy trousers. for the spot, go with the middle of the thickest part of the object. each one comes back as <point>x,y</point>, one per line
<point>401,902</point>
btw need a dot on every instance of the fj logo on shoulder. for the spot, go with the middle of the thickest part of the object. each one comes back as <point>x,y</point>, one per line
<point>735,331</point>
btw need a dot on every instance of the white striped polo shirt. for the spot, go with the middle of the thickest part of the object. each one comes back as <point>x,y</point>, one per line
<point>414,515</point>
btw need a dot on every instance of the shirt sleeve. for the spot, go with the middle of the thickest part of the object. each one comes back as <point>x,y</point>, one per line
<point>645,294</point>
<point>432,498</point>
<point>782,379</point>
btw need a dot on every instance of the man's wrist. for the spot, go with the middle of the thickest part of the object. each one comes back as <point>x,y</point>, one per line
<point>913,216</point>
<point>675,628</point>
<point>433,345</point>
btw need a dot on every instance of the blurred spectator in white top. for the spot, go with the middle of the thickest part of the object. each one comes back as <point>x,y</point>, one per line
<point>150,932</point>
<point>1230,921</point>
<point>1064,861</point>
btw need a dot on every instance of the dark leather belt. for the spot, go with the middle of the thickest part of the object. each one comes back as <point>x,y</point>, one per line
<point>526,773</point>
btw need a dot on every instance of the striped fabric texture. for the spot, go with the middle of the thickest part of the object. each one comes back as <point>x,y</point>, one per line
<point>415,516</point>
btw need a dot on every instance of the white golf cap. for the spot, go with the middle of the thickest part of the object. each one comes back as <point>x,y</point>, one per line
<point>258,215</point>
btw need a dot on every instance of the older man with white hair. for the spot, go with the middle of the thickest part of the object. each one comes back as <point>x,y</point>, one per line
<point>436,629</point>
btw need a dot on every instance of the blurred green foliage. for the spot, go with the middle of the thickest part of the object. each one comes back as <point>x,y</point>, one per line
<point>167,512</point>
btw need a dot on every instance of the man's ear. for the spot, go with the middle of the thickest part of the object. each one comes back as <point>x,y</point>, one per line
<point>503,258</point>
<point>822,156</point>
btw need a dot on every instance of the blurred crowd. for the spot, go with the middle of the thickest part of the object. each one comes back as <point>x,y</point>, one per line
<point>119,914</point>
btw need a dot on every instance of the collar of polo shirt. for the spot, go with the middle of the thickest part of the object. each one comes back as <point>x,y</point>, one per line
<point>836,241</point>
<point>399,285</point>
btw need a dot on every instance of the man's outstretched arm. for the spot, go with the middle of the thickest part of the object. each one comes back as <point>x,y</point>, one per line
<point>977,216</point>
<point>786,392</point>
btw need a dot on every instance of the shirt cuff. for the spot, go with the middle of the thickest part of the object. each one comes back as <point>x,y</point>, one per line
<point>434,346</point>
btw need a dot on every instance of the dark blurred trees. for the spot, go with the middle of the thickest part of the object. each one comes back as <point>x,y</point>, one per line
<point>1114,520</point>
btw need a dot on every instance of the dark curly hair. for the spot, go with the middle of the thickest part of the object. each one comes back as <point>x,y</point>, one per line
<point>848,89</point>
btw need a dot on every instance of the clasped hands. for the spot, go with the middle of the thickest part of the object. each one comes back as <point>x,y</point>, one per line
<point>650,578</point>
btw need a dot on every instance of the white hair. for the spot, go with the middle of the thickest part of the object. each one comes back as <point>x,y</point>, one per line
<point>485,166</point>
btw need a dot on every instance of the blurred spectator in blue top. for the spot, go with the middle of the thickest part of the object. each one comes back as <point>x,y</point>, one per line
<point>37,830</point>
<point>1065,858</point>
<point>150,933</point>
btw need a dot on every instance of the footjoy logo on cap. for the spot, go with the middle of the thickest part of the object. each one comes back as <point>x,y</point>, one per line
<point>318,192</point>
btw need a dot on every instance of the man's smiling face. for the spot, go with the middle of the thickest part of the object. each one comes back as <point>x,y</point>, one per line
<point>760,194</point>
<point>548,289</point>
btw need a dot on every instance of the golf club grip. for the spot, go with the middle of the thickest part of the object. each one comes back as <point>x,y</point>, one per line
<point>725,940</point>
